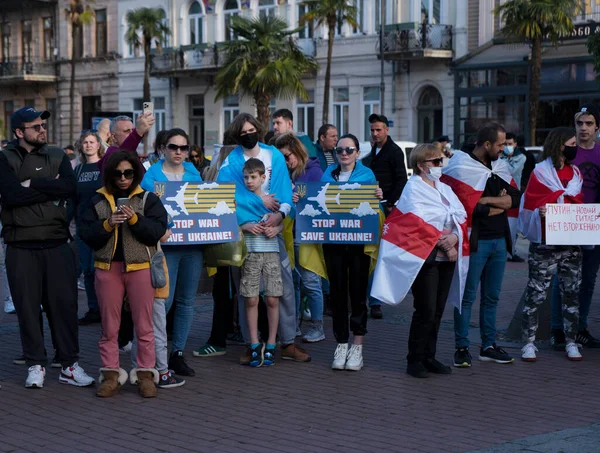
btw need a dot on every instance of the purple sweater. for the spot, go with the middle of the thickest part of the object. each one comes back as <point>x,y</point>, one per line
<point>588,162</point>
<point>312,171</point>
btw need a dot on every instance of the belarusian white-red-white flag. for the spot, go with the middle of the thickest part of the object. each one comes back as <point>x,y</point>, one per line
<point>409,235</point>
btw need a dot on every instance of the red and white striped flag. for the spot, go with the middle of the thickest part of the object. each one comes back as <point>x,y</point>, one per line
<point>545,187</point>
<point>409,235</point>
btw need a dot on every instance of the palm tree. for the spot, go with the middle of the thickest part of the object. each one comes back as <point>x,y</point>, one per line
<point>532,21</point>
<point>264,63</point>
<point>78,15</point>
<point>144,26</point>
<point>332,13</point>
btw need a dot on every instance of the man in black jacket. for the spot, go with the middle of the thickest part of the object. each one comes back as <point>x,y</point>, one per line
<point>35,181</point>
<point>387,162</point>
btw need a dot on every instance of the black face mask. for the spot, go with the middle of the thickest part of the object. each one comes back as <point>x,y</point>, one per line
<point>249,141</point>
<point>570,152</point>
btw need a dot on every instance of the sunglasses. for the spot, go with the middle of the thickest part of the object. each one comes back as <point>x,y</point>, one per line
<point>348,150</point>
<point>129,174</point>
<point>437,161</point>
<point>37,127</point>
<point>174,147</point>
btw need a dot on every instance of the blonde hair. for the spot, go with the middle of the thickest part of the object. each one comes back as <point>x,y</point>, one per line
<point>79,146</point>
<point>421,153</point>
<point>295,147</point>
<point>211,173</point>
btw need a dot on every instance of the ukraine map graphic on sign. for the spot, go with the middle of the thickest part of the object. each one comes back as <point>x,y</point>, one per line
<point>337,213</point>
<point>200,212</point>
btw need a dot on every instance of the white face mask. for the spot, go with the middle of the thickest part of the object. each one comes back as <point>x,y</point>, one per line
<point>435,173</point>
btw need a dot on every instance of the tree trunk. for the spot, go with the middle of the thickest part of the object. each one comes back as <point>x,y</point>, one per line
<point>74,28</point>
<point>147,97</point>
<point>535,64</point>
<point>331,37</point>
<point>263,114</point>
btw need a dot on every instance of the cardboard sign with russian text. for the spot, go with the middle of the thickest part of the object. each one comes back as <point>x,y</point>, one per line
<point>201,212</point>
<point>573,224</point>
<point>337,213</point>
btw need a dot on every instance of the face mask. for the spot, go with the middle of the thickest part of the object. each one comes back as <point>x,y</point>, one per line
<point>570,152</point>
<point>448,146</point>
<point>249,141</point>
<point>435,173</point>
<point>508,150</point>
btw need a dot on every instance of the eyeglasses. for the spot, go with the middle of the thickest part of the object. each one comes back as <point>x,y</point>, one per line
<point>348,150</point>
<point>287,156</point>
<point>129,174</point>
<point>438,161</point>
<point>174,147</point>
<point>37,127</point>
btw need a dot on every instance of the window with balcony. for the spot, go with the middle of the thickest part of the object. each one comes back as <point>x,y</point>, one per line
<point>27,41</point>
<point>9,108</point>
<point>101,38</point>
<point>431,11</point>
<point>231,108</point>
<point>360,16</point>
<point>78,42</point>
<point>48,38</point>
<point>6,41</point>
<point>196,16</point>
<point>305,117</point>
<point>52,128</point>
<point>230,10</point>
<point>307,30</point>
<point>267,8</point>
<point>371,104</point>
<point>341,106</point>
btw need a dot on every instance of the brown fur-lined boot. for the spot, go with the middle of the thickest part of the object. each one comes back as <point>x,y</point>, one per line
<point>110,381</point>
<point>146,379</point>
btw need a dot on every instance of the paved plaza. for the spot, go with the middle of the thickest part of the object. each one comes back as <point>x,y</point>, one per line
<point>549,406</point>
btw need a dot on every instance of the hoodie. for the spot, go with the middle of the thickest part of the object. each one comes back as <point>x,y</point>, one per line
<point>312,172</point>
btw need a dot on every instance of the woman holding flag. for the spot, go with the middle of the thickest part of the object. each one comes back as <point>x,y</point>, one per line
<point>424,239</point>
<point>554,180</point>
<point>348,265</point>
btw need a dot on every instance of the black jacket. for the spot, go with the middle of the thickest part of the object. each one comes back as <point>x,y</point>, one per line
<point>389,169</point>
<point>35,216</point>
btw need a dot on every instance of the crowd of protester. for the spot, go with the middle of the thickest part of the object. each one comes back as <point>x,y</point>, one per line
<point>448,231</point>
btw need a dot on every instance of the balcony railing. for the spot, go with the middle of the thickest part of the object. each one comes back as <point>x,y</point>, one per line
<point>26,68</point>
<point>417,40</point>
<point>186,58</point>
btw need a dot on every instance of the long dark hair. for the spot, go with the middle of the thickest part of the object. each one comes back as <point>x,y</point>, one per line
<point>111,166</point>
<point>553,143</point>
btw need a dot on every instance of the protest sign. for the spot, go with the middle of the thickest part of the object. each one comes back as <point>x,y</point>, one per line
<point>201,212</point>
<point>573,224</point>
<point>334,213</point>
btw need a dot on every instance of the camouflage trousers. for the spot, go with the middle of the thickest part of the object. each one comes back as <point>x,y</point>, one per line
<point>544,260</point>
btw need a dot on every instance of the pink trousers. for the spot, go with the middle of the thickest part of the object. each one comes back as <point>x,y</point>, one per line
<point>111,286</point>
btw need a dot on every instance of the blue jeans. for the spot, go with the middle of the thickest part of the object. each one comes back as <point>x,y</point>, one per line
<point>485,265</point>
<point>311,283</point>
<point>589,271</point>
<point>86,261</point>
<point>185,266</point>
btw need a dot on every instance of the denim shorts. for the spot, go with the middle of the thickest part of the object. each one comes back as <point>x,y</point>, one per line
<point>261,263</point>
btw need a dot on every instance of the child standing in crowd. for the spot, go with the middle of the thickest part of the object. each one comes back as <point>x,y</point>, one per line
<point>262,260</point>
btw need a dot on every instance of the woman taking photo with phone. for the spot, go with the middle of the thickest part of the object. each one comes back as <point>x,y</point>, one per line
<point>124,239</point>
<point>184,262</point>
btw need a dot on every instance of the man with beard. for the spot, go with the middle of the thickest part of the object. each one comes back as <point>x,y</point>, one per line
<point>35,182</point>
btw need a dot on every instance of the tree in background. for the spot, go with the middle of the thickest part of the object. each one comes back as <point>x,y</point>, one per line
<point>333,14</point>
<point>264,63</point>
<point>532,21</point>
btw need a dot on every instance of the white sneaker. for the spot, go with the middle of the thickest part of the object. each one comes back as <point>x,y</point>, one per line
<point>9,307</point>
<point>573,352</point>
<point>35,378</point>
<point>339,356</point>
<point>80,284</point>
<point>126,349</point>
<point>355,358</point>
<point>74,375</point>
<point>528,353</point>
<point>306,316</point>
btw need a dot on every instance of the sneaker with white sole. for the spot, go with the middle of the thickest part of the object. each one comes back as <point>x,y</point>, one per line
<point>35,378</point>
<point>355,358</point>
<point>315,333</point>
<point>126,349</point>
<point>528,353</point>
<point>573,353</point>
<point>306,315</point>
<point>339,357</point>
<point>9,306</point>
<point>74,375</point>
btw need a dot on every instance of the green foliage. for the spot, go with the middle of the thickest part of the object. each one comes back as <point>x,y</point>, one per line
<point>263,61</point>
<point>145,25</point>
<point>593,45</point>
<point>328,12</point>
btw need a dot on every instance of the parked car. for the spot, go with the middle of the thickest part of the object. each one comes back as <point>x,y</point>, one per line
<point>407,147</point>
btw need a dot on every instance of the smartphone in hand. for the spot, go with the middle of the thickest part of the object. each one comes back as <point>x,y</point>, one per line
<point>123,202</point>
<point>148,107</point>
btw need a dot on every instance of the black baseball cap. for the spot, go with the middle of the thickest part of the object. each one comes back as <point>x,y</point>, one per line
<point>591,109</point>
<point>379,118</point>
<point>443,138</point>
<point>26,115</point>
